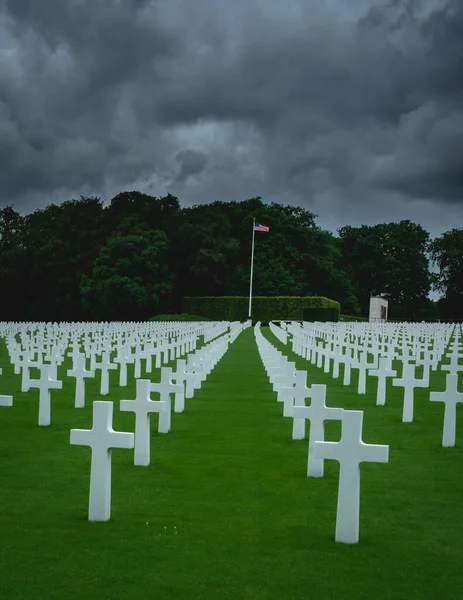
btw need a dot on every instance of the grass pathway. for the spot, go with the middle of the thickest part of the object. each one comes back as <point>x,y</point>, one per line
<point>224,511</point>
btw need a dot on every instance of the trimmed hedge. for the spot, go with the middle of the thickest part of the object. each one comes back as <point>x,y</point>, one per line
<point>264,308</point>
<point>352,319</point>
<point>181,317</point>
<point>321,314</point>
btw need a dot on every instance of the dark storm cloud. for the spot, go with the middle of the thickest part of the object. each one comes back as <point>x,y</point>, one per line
<point>191,163</point>
<point>338,109</point>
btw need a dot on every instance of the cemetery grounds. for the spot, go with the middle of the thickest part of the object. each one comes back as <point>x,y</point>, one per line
<point>225,509</point>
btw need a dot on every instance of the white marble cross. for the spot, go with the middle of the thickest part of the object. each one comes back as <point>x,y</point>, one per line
<point>347,359</point>
<point>164,388</point>
<point>409,383</point>
<point>195,366</point>
<point>320,355</point>
<point>382,373</point>
<point>137,356</point>
<point>147,354</point>
<point>350,452</point>
<point>454,366</point>
<point>407,355</point>
<point>336,361</point>
<point>25,362</point>
<point>45,384</point>
<point>451,397</point>
<point>142,406</point>
<point>187,377</point>
<point>294,394</point>
<point>284,376</point>
<point>6,400</point>
<point>79,372</point>
<point>426,362</point>
<point>363,366</point>
<point>123,359</point>
<point>317,413</point>
<point>105,366</point>
<point>186,380</point>
<point>101,438</point>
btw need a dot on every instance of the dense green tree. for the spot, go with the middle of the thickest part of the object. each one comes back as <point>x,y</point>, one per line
<point>447,256</point>
<point>388,259</point>
<point>43,256</point>
<point>213,249</point>
<point>156,213</point>
<point>12,263</point>
<point>131,276</point>
<point>204,251</point>
<point>138,255</point>
<point>60,243</point>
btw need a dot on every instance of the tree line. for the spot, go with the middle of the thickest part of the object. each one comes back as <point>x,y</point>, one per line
<point>139,255</point>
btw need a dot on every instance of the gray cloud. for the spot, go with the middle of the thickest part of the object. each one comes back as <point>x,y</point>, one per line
<point>342,108</point>
<point>191,163</point>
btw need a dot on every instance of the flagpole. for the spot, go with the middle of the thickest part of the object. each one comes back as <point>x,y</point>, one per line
<point>252,267</point>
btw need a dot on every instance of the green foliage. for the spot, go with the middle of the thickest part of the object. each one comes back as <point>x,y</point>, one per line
<point>265,309</point>
<point>388,259</point>
<point>180,317</point>
<point>82,259</point>
<point>12,261</point>
<point>130,275</point>
<point>351,318</point>
<point>447,256</point>
<point>321,314</point>
<point>47,252</point>
<point>212,250</point>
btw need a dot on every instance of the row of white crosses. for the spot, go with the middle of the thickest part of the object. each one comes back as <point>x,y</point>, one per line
<point>412,345</point>
<point>102,437</point>
<point>291,387</point>
<point>51,342</point>
<point>47,342</point>
<point>85,342</point>
<point>279,332</point>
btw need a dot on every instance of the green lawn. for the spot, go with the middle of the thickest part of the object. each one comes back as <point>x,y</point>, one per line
<point>225,511</point>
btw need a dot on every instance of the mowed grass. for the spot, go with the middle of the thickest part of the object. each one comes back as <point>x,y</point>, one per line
<point>225,510</point>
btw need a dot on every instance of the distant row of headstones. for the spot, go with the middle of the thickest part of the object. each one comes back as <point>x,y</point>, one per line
<point>187,377</point>
<point>411,345</point>
<point>368,348</point>
<point>328,346</point>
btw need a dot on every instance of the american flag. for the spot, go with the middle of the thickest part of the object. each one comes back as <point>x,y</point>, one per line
<point>258,227</point>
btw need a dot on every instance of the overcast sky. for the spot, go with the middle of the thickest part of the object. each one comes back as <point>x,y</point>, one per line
<point>352,109</point>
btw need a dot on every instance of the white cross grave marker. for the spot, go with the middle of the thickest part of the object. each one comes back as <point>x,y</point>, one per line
<point>105,366</point>
<point>101,438</point>
<point>25,362</point>
<point>409,383</point>
<point>451,397</point>
<point>294,394</point>
<point>363,366</point>
<point>348,359</point>
<point>123,359</point>
<point>164,388</point>
<point>317,413</point>
<point>78,371</point>
<point>6,400</point>
<point>350,452</point>
<point>45,384</point>
<point>184,379</point>
<point>454,366</point>
<point>183,375</point>
<point>142,406</point>
<point>382,373</point>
